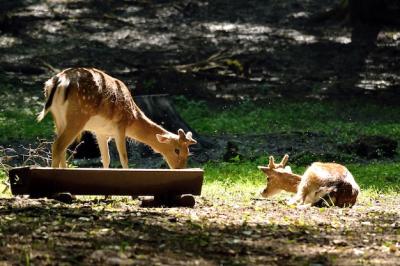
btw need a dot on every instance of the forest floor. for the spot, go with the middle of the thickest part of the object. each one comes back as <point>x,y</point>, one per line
<point>226,53</point>
<point>214,50</point>
<point>226,228</point>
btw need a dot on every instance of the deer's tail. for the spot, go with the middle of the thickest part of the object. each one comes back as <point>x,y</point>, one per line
<point>50,88</point>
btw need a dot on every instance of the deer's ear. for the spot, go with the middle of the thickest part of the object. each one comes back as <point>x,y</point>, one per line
<point>263,168</point>
<point>186,138</point>
<point>163,138</point>
<point>181,134</point>
<point>190,139</point>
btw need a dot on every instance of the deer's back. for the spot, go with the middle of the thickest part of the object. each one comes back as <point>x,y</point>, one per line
<point>326,172</point>
<point>336,175</point>
<point>94,93</point>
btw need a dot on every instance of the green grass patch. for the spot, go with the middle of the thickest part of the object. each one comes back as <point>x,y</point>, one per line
<point>377,176</point>
<point>2,175</point>
<point>18,113</point>
<point>343,120</point>
<point>21,125</point>
<point>4,191</point>
<point>245,179</point>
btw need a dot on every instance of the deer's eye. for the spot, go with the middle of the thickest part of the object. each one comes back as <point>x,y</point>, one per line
<point>177,151</point>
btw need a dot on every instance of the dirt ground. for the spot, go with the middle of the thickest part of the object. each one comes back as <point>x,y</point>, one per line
<point>216,232</point>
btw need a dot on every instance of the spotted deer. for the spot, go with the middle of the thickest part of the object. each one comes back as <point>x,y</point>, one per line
<point>321,183</point>
<point>87,99</point>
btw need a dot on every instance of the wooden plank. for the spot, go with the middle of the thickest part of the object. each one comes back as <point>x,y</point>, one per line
<point>99,181</point>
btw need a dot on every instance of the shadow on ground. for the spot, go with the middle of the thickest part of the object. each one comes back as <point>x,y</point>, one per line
<point>263,232</point>
<point>267,49</point>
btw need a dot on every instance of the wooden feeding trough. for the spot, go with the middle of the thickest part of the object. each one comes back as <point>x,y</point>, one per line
<point>170,187</point>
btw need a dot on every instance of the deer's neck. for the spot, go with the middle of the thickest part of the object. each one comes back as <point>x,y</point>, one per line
<point>290,182</point>
<point>144,130</point>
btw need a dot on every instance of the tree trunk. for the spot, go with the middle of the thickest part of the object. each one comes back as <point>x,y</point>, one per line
<point>367,11</point>
<point>377,12</point>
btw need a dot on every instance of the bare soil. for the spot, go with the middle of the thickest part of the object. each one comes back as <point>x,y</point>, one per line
<point>216,232</point>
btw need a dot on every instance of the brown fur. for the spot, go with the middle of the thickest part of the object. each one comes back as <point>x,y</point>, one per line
<point>320,182</point>
<point>88,99</point>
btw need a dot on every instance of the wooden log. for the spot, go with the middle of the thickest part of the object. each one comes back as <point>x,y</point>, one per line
<point>41,181</point>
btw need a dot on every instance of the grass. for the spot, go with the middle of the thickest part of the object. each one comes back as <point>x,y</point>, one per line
<point>243,180</point>
<point>343,120</point>
<point>3,187</point>
<point>18,111</point>
<point>2,175</point>
<point>379,177</point>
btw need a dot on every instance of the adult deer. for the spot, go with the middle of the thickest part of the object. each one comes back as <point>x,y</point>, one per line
<point>87,99</point>
<point>329,182</point>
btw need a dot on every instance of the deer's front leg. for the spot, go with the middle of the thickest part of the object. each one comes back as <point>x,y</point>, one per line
<point>102,141</point>
<point>121,147</point>
<point>293,200</point>
<point>298,198</point>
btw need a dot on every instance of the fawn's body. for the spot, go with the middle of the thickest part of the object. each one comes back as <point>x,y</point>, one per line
<point>329,181</point>
<point>87,99</point>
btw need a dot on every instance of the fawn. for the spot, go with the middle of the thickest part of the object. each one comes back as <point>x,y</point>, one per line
<point>321,182</point>
<point>88,99</point>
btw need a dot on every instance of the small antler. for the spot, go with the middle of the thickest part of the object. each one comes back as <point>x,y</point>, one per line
<point>271,164</point>
<point>284,161</point>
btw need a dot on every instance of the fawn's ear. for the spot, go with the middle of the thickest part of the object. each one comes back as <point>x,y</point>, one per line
<point>163,138</point>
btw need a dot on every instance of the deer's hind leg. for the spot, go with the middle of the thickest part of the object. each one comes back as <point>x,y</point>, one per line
<point>64,138</point>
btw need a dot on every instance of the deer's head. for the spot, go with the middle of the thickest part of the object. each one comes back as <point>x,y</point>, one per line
<point>275,176</point>
<point>176,150</point>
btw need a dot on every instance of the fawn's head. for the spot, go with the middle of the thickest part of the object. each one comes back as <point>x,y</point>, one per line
<point>275,173</point>
<point>176,150</point>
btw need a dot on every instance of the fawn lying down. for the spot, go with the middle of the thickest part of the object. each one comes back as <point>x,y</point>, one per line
<point>329,182</point>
